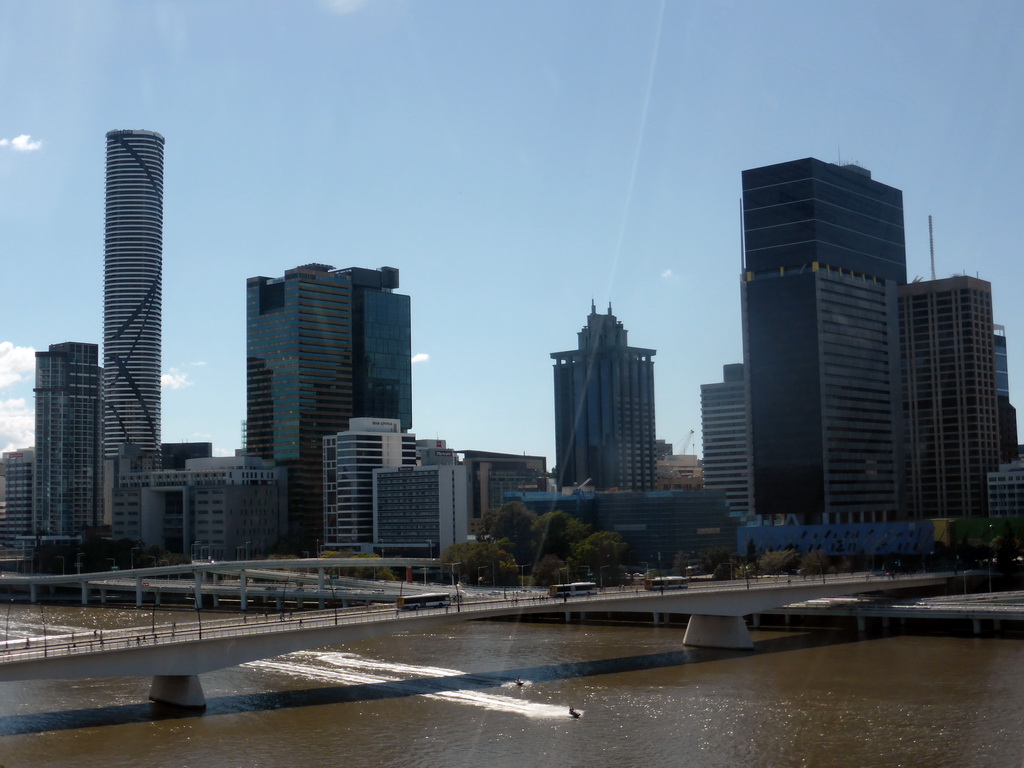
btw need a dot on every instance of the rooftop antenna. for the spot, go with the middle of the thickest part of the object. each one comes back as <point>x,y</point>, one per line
<point>931,244</point>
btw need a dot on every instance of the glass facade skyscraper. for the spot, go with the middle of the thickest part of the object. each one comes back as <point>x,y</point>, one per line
<point>323,346</point>
<point>726,427</point>
<point>824,252</point>
<point>604,409</point>
<point>132,300</point>
<point>68,472</point>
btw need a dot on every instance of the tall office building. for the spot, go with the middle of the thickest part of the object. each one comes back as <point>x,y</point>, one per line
<point>68,470</point>
<point>420,511</point>
<point>132,265</point>
<point>604,409</point>
<point>1008,450</point>
<point>19,469</point>
<point>950,396</point>
<point>824,252</point>
<point>323,346</point>
<point>350,458</point>
<point>726,428</point>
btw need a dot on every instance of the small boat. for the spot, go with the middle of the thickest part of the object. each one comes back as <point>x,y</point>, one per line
<point>573,713</point>
<point>519,682</point>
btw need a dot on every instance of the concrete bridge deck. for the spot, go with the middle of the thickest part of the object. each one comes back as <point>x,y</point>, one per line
<point>175,655</point>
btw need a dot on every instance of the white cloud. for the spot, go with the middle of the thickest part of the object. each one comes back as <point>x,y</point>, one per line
<point>667,274</point>
<point>198,364</point>
<point>17,424</point>
<point>175,379</point>
<point>342,7</point>
<point>15,362</point>
<point>422,357</point>
<point>21,143</point>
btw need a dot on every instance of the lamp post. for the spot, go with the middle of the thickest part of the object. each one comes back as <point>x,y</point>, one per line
<point>455,583</point>
<point>990,553</point>
<point>600,574</point>
<point>522,577</point>
<point>78,562</point>
<point>113,563</point>
<point>479,578</point>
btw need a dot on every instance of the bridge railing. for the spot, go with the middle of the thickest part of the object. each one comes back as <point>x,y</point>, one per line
<point>105,640</point>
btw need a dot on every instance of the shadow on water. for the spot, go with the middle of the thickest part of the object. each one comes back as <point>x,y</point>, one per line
<point>126,714</point>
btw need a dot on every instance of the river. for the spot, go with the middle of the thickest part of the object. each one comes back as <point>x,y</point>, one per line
<point>447,699</point>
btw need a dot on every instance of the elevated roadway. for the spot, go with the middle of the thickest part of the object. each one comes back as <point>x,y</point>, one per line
<point>174,656</point>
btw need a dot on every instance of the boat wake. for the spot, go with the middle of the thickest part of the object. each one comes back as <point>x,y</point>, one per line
<point>432,682</point>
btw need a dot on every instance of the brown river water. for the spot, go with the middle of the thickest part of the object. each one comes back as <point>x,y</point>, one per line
<point>446,699</point>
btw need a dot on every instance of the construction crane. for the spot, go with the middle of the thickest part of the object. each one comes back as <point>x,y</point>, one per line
<point>687,441</point>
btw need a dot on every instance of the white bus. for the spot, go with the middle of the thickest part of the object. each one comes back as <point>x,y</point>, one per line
<point>426,600</point>
<point>574,589</point>
<point>665,582</point>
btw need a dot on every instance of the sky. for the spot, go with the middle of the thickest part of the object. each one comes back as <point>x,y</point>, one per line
<point>515,160</point>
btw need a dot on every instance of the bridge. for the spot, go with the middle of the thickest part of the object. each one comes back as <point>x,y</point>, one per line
<point>175,655</point>
<point>271,581</point>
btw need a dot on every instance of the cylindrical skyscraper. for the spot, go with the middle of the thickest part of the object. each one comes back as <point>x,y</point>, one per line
<point>132,265</point>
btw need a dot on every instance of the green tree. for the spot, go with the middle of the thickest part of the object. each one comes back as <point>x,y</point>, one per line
<point>711,559</point>
<point>481,562</point>
<point>1006,548</point>
<point>815,563</point>
<point>510,526</point>
<point>601,556</point>
<point>555,533</point>
<point>779,562</point>
<point>549,570</point>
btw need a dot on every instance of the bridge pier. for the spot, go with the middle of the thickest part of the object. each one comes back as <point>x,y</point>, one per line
<point>85,593</point>
<point>729,632</point>
<point>138,591</point>
<point>33,595</point>
<point>179,690</point>
<point>243,598</point>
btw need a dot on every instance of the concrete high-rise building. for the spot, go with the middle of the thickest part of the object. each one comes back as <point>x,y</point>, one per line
<point>229,507</point>
<point>19,469</point>
<point>323,346</point>
<point>726,427</point>
<point>824,252</point>
<point>132,267</point>
<point>349,460</point>
<point>491,475</point>
<point>604,409</point>
<point>950,404</point>
<point>420,511</point>
<point>68,472</point>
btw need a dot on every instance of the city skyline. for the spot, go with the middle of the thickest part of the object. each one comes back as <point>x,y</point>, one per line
<point>512,162</point>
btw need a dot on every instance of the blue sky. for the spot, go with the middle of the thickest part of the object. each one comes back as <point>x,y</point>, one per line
<point>515,160</point>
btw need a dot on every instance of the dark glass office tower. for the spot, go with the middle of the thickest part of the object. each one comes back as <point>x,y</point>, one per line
<point>1008,450</point>
<point>132,268</point>
<point>68,469</point>
<point>604,409</point>
<point>824,252</point>
<point>323,346</point>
